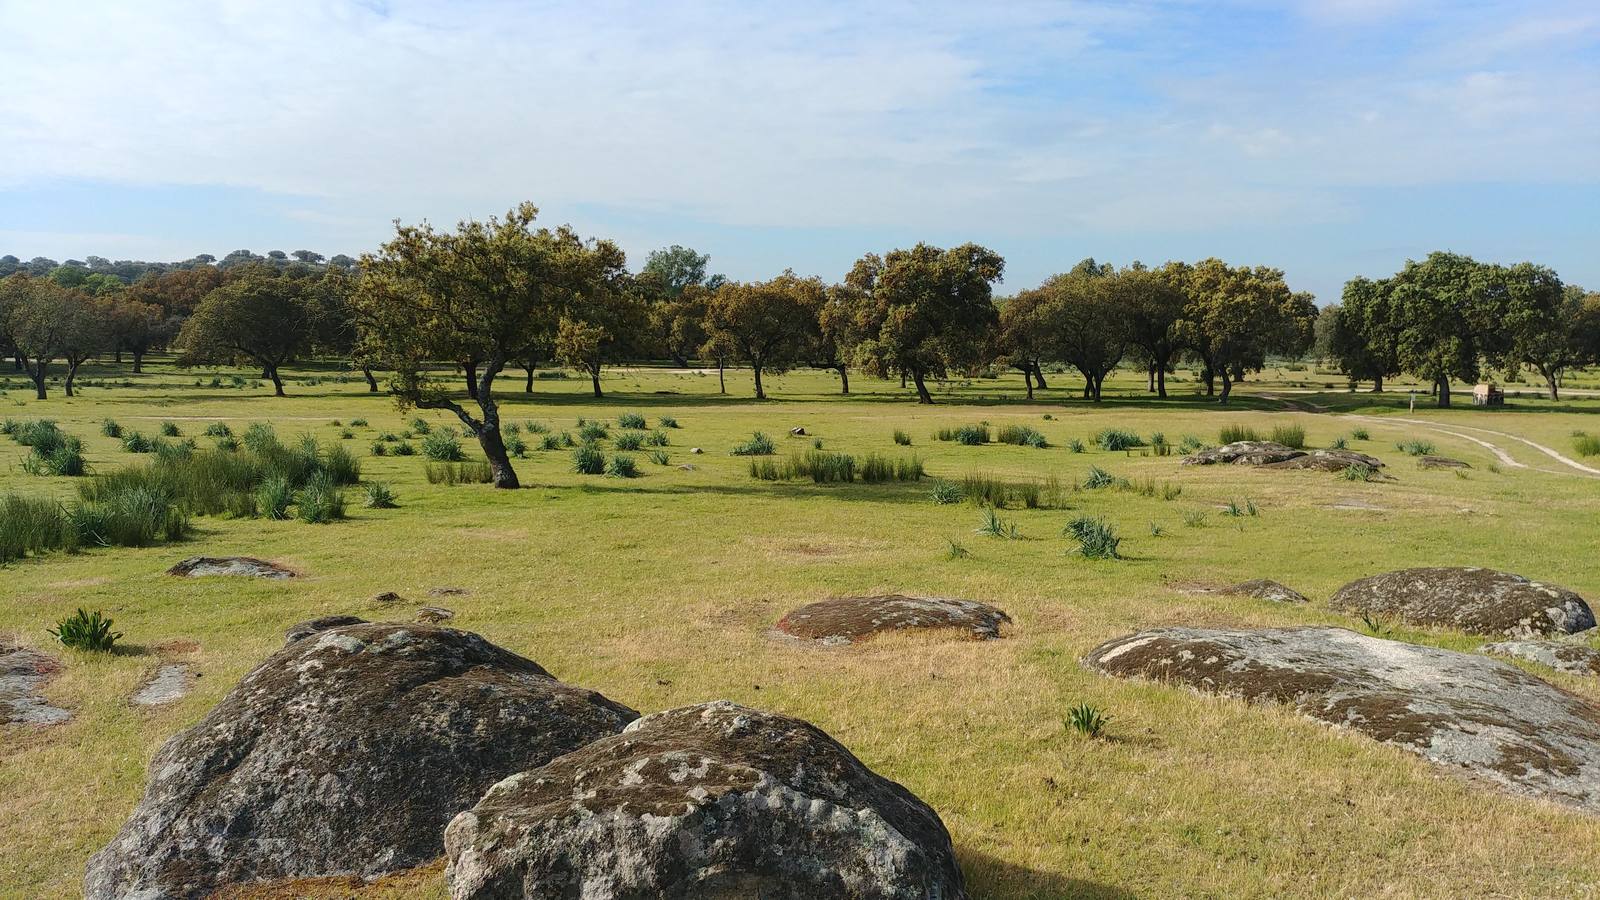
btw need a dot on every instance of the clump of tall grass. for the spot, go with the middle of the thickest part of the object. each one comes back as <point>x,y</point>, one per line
<point>170,429</point>
<point>1586,445</point>
<point>1359,472</point>
<point>1097,478</point>
<point>258,435</point>
<point>1360,434</point>
<point>621,466</point>
<point>1289,436</point>
<point>1339,443</point>
<point>902,438</point>
<point>1096,539</point>
<point>1234,433</point>
<point>592,431</point>
<point>1118,439</point>
<point>588,460</point>
<point>1022,436</point>
<point>1075,446</point>
<point>86,631</point>
<point>379,496</point>
<point>30,525</point>
<point>631,420</point>
<point>667,422</point>
<point>657,438</point>
<point>273,497</point>
<point>453,473</point>
<point>218,429</point>
<point>660,457</point>
<point>969,435</point>
<point>442,445</point>
<point>876,469</point>
<point>321,501</point>
<point>758,445</point>
<point>111,429</point>
<point>516,446</point>
<point>536,427</point>
<point>994,526</point>
<point>404,448</point>
<point>945,493</point>
<point>1190,444</point>
<point>629,440</point>
<point>138,517</point>
<point>1415,447</point>
<point>420,425</point>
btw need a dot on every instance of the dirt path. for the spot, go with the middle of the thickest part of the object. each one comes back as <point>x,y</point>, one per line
<point>1573,466</point>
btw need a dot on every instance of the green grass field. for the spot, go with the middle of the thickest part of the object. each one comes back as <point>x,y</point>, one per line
<point>658,591</point>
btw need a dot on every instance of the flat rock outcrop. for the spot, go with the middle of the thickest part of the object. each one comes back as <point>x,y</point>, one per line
<point>1266,589</point>
<point>343,753</point>
<point>1470,599</point>
<point>1243,453</point>
<point>1466,712</point>
<point>249,566</point>
<point>168,684</point>
<point>845,620</point>
<point>1441,462</point>
<point>22,673</point>
<point>1329,461</point>
<point>709,801</point>
<point>302,630</point>
<point>1563,656</point>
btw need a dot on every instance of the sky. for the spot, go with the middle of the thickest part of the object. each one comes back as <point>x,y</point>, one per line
<point>1328,138</point>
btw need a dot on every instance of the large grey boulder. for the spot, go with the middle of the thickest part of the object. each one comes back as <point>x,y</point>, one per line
<point>1329,461</point>
<point>1243,453</point>
<point>845,620</point>
<point>1564,656</point>
<point>247,566</point>
<point>1467,598</point>
<point>344,753</point>
<point>709,801</point>
<point>1472,715</point>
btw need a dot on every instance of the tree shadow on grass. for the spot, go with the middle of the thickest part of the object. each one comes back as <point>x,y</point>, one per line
<point>989,877</point>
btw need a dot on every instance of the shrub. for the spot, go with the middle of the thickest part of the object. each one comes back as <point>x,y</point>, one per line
<point>404,448</point>
<point>758,445</point>
<point>1231,433</point>
<point>1087,720</point>
<point>1415,447</point>
<point>1360,434</point>
<point>622,466</point>
<point>1096,539</point>
<point>1289,436</point>
<point>667,422</point>
<point>516,446</point>
<point>274,497</point>
<point>657,438</point>
<point>442,446</point>
<point>902,438</point>
<point>1117,439</point>
<point>630,440</point>
<point>379,496</point>
<point>996,527</point>
<point>170,429</point>
<point>111,429</point>
<point>86,631</point>
<point>660,457</point>
<point>588,460</point>
<point>1587,445</point>
<point>1022,436</point>
<point>1098,478</point>
<point>631,420</point>
<point>944,493</point>
<point>321,501</point>
<point>420,425</point>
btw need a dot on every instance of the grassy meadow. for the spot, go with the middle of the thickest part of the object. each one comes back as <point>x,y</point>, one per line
<point>659,590</point>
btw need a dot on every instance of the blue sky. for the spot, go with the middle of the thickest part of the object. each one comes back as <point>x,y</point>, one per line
<point>1329,138</point>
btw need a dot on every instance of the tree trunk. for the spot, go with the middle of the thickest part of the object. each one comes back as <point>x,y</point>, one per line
<point>118,355</point>
<point>1038,377</point>
<point>138,362</point>
<point>486,431</point>
<point>594,379</point>
<point>1027,379</point>
<point>72,375</point>
<point>39,370</point>
<point>1377,384</point>
<point>1210,378</point>
<point>922,388</point>
<point>1099,385</point>
<point>722,379</point>
<point>494,449</point>
<point>679,359</point>
<point>902,379</point>
<point>1443,389</point>
<point>1551,379</point>
<point>372,381</point>
<point>527,384</point>
<point>760,394</point>
<point>1227,386</point>
<point>277,383</point>
<point>1161,381</point>
<point>1152,374</point>
<point>844,379</point>
<point>471,369</point>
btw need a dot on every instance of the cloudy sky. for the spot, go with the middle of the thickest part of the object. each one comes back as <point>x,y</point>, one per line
<point>1326,137</point>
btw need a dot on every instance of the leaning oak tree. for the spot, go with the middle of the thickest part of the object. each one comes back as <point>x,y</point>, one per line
<point>261,314</point>
<point>766,323</point>
<point>484,292</point>
<point>1235,316</point>
<point>926,310</point>
<point>41,318</point>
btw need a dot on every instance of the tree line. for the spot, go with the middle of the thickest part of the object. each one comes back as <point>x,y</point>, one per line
<point>507,293</point>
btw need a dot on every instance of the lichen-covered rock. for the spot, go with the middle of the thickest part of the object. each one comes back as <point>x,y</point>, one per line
<point>1441,462</point>
<point>1328,461</point>
<point>1266,589</point>
<point>844,620</point>
<point>22,673</point>
<point>199,566</point>
<point>344,753</point>
<point>1471,714</point>
<point>709,801</point>
<point>1474,600</point>
<point>1563,656</point>
<point>1243,453</point>
<point>301,630</point>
